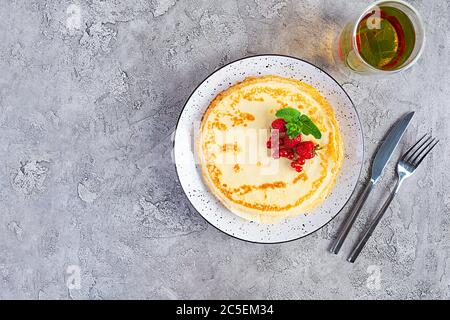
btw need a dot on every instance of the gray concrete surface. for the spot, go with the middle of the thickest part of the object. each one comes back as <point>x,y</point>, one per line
<point>89,94</point>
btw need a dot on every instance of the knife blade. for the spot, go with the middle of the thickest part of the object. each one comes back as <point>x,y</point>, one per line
<point>382,157</point>
<point>388,146</point>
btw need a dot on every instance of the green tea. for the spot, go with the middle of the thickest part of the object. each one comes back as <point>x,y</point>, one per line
<point>385,38</point>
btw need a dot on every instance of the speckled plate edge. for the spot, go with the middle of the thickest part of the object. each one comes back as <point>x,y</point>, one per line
<point>223,211</point>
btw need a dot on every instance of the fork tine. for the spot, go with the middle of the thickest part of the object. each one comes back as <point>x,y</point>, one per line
<point>421,151</point>
<point>406,155</point>
<point>426,153</point>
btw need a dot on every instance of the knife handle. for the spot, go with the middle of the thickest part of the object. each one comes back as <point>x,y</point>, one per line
<point>342,235</point>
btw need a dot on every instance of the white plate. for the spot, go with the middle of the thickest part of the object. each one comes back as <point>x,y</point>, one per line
<point>189,172</point>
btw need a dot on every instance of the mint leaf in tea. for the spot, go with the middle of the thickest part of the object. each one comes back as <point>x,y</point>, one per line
<point>385,38</point>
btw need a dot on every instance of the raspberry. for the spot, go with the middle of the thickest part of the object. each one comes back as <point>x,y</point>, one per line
<point>281,139</point>
<point>305,155</point>
<point>307,145</point>
<point>279,124</point>
<point>306,150</point>
<point>291,143</point>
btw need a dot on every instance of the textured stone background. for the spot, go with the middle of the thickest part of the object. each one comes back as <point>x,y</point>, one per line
<point>89,94</point>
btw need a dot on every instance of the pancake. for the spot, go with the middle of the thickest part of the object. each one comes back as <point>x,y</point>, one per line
<point>235,162</point>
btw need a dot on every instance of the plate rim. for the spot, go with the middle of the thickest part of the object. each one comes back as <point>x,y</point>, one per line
<point>269,55</point>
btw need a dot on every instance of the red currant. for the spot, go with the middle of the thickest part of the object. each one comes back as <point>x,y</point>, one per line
<point>295,164</point>
<point>284,152</point>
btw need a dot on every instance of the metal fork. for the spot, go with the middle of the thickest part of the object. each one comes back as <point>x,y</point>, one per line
<point>405,168</point>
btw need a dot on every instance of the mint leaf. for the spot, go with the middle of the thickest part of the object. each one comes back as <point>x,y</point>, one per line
<point>288,114</point>
<point>297,123</point>
<point>308,127</point>
<point>293,129</point>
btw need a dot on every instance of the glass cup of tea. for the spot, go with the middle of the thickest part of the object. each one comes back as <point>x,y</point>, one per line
<point>386,38</point>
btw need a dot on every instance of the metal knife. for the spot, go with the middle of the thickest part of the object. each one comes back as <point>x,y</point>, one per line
<point>382,157</point>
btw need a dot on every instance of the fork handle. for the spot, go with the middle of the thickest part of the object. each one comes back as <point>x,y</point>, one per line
<point>362,242</point>
<point>351,218</point>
